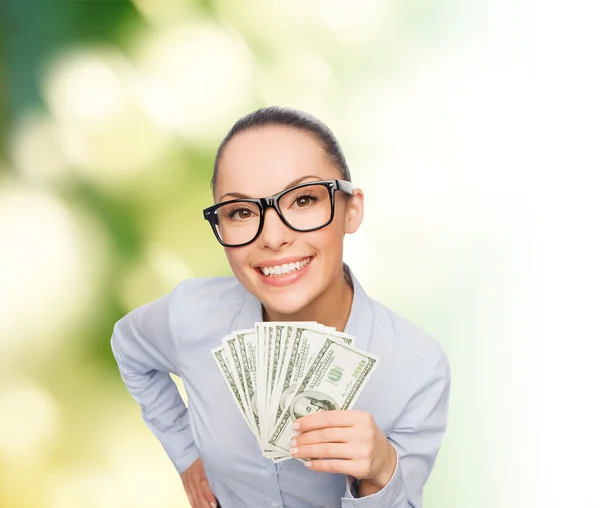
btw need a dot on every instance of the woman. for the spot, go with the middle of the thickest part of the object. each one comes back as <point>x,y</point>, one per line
<point>287,268</point>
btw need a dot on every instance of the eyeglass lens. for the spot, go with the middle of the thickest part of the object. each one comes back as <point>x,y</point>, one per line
<point>304,208</point>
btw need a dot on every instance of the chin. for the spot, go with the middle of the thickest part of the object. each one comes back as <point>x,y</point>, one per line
<point>285,304</point>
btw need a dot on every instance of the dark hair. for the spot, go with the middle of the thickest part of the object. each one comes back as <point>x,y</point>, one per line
<point>287,117</point>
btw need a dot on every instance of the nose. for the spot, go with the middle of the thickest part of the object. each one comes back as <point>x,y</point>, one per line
<point>275,234</point>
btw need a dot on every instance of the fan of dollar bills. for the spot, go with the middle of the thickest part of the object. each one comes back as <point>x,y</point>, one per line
<point>279,372</point>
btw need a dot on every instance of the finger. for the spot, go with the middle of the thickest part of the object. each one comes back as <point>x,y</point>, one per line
<point>208,495</point>
<point>195,496</point>
<point>202,502</point>
<point>325,451</point>
<point>323,419</point>
<point>192,498</point>
<point>327,435</point>
<point>347,467</point>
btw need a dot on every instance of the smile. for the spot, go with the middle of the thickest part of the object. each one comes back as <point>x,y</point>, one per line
<point>284,269</point>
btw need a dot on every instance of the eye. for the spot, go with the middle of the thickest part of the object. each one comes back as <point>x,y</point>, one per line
<point>240,214</point>
<point>304,200</point>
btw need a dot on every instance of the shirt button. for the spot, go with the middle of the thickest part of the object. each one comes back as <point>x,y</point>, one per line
<point>266,473</point>
<point>275,504</point>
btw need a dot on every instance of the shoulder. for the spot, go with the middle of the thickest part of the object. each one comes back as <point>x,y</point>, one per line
<point>205,296</point>
<point>197,297</point>
<point>412,365</point>
<point>411,343</point>
<point>202,308</point>
<point>195,310</point>
<point>207,292</point>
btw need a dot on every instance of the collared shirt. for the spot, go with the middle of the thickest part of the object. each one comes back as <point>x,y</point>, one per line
<point>407,395</point>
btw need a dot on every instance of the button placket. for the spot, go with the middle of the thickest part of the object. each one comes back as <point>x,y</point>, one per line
<point>273,494</point>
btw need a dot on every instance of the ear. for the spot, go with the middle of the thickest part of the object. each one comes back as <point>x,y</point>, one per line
<point>355,206</point>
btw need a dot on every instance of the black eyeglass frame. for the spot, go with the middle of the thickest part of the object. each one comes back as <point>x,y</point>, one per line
<point>210,213</point>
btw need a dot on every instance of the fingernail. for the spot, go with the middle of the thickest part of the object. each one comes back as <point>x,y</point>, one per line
<point>296,426</point>
<point>308,464</point>
<point>293,451</point>
<point>213,504</point>
<point>293,443</point>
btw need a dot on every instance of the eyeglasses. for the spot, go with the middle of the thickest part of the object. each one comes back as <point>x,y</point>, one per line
<point>305,207</point>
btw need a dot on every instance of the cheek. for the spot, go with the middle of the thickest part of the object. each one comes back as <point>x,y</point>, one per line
<point>238,258</point>
<point>328,243</point>
<point>331,238</point>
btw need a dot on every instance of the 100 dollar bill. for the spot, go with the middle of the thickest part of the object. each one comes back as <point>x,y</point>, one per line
<point>304,347</point>
<point>333,381</point>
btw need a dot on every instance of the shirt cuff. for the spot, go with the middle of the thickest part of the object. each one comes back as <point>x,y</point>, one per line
<point>184,462</point>
<point>391,496</point>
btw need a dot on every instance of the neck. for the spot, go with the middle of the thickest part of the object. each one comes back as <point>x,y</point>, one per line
<point>330,308</point>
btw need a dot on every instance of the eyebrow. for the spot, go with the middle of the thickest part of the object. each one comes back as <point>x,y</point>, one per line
<point>239,195</point>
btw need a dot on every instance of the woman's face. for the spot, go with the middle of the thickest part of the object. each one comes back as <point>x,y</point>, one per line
<point>262,162</point>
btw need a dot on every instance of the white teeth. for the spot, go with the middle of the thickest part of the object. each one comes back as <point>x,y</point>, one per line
<point>285,268</point>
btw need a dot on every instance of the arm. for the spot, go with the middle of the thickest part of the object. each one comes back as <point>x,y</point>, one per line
<point>392,470</point>
<point>416,439</point>
<point>142,346</point>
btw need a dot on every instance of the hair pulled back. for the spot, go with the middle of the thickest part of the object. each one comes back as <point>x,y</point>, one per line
<point>292,118</point>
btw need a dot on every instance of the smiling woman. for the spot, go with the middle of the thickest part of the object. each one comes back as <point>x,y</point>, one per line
<point>286,253</point>
<point>282,153</point>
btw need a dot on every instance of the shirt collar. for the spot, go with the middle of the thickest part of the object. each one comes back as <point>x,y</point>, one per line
<point>360,321</point>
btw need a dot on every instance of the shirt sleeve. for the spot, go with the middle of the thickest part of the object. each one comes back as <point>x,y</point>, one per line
<point>417,438</point>
<point>143,349</point>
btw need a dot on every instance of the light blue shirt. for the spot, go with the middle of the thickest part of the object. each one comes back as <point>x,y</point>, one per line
<point>407,395</point>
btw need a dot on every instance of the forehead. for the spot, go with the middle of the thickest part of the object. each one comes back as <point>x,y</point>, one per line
<point>264,161</point>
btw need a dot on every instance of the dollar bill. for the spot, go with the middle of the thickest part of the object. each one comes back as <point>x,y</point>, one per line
<point>269,347</point>
<point>260,378</point>
<point>306,342</point>
<point>223,364</point>
<point>283,361</point>
<point>240,371</point>
<point>246,341</point>
<point>266,366</point>
<point>333,381</point>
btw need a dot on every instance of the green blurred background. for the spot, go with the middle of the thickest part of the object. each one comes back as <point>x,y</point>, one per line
<point>110,115</point>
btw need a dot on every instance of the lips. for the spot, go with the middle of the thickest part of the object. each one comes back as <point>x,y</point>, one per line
<point>283,272</point>
<point>279,269</point>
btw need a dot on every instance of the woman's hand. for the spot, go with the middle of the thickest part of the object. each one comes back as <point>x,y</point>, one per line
<point>353,440</point>
<point>196,486</point>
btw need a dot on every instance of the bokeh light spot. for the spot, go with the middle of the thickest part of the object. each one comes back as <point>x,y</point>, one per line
<point>29,424</point>
<point>48,269</point>
<point>206,70</point>
<point>101,107</point>
<point>36,148</point>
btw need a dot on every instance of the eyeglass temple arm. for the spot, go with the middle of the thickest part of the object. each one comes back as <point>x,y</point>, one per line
<point>345,186</point>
